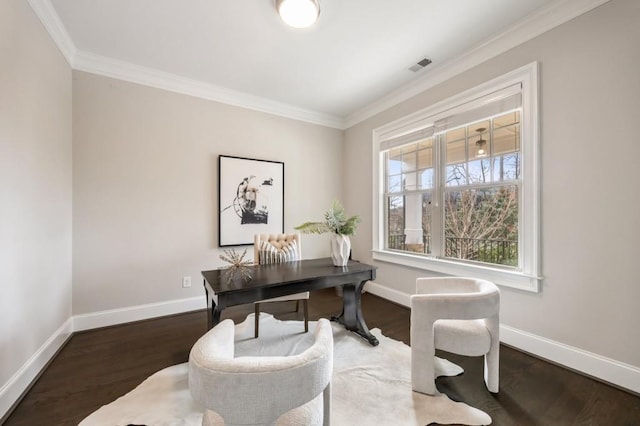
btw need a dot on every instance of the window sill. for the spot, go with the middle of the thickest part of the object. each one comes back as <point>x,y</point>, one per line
<point>513,279</point>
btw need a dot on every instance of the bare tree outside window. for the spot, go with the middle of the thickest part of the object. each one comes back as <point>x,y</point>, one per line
<point>482,225</point>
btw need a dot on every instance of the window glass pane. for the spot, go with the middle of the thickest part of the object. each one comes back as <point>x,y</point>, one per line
<point>413,231</point>
<point>395,223</point>
<point>479,139</point>
<point>506,119</point>
<point>455,134</point>
<point>479,145</point>
<point>456,152</point>
<point>408,148</point>
<point>426,179</point>
<point>506,167</point>
<point>480,171</point>
<point>410,181</point>
<point>506,139</point>
<point>425,158</point>
<point>427,143</point>
<point>395,153</point>
<point>409,223</point>
<point>475,129</point>
<point>456,175</point>
<point>482,225</point>
<point>395,183</point>
<point>426,222</point>
<point>409,160</point>
<point>394,163</point>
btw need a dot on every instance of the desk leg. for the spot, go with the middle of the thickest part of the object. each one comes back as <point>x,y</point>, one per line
<point>213,310</point>
<point>213,313</point>
<point>351,316</point>
<point>209,306</point>
<point>216,316</point>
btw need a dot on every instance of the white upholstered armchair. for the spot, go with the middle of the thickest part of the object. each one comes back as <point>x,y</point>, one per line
<point>278,390</point>
<point>278,248</point>
<point>458,315</point>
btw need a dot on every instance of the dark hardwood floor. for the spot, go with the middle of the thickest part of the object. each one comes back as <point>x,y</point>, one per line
<point>95,367</point>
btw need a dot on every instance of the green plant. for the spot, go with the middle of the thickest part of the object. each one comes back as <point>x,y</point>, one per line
<point>335,221</point>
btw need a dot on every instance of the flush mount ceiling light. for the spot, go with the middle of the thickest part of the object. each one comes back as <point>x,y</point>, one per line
<point>298,13</point>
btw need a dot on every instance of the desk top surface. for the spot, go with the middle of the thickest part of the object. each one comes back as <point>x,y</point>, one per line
<point>226,280</point>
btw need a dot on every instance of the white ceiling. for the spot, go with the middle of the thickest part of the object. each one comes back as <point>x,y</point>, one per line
<point>239,51</point>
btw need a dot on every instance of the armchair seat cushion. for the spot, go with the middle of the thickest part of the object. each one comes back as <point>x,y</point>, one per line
<point>463,337</point>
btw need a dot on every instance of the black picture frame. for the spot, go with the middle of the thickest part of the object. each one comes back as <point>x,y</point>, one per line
<point>250,199</point>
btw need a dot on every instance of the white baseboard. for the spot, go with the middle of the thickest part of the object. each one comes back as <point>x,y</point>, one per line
<point>609,370</point>
<point>386,292</point>
<point>136,313</point>
<point>606,369</point>
<point>22,379</point>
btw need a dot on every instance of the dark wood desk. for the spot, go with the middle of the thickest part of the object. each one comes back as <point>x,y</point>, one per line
<point>276,280</point>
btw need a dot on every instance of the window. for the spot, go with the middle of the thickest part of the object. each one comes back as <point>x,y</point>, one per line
<point>457,185</point>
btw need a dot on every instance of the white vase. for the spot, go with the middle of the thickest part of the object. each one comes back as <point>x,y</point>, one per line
<point>340,249</point>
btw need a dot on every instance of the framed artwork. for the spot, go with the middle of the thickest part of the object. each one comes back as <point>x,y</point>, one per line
<point>250,198</point>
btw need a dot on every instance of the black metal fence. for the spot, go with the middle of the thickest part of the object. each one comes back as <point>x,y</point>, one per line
<point>501,252</point>
<point>396,242</point>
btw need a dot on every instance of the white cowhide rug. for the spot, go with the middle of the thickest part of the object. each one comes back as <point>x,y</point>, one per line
<point>371,385</point>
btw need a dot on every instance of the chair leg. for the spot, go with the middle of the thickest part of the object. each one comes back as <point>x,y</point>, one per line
<point>305,304</point>
<point>257,318</point>
<point>423,377</point>
<point>423,351</point>
<point>326,397</point>
<point>492,368</point>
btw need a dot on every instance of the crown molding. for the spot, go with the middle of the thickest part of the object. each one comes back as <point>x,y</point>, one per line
<point>541,21</point>
<point>127,71</point>
<point>51,21</point>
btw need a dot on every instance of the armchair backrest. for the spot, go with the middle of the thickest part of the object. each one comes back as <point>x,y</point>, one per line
<point>257,390</point>
<point>456,298</point>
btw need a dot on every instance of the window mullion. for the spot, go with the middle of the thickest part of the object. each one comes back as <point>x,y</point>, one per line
<point>437,213</point>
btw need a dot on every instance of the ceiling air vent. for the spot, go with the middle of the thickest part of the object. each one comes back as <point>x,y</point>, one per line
<point>420,65</point>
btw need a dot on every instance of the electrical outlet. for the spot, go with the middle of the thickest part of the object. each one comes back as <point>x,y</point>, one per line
<point>186,282</point>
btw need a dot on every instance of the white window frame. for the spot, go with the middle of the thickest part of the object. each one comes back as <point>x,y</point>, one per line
<point>527,276</point>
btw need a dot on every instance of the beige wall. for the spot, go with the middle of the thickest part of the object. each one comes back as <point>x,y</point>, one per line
<point>590,99</point>
<point>145,186</point>
<point>35,189</point>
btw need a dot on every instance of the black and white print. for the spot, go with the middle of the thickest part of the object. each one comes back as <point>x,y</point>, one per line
<point>251,199</point>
